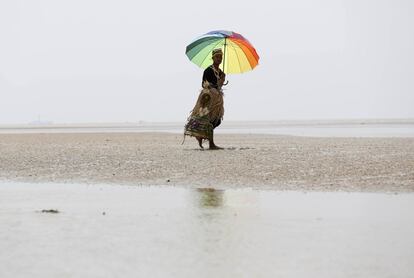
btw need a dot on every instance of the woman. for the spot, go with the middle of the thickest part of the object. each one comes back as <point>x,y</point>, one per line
<point>208,112</point>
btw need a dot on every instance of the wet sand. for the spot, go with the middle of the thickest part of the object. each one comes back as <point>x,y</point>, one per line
<point>255,161</point>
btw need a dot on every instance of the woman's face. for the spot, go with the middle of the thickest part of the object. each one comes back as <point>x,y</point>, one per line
<point>217,59</point>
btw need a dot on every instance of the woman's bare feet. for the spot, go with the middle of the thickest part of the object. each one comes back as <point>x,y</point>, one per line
<point>200,142</point>
<point>214,147</point>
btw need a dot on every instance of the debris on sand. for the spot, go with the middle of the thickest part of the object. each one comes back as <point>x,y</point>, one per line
<point>49,211</point>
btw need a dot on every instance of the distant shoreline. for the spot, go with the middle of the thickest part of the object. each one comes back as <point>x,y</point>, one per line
<point>311,128</point>
<point>402,121</point>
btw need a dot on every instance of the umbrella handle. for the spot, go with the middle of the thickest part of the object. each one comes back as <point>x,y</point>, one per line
<point>227,82</point>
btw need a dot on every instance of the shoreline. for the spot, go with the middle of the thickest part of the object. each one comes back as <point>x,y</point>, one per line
<point>282,189</point>
<point>308,128</point>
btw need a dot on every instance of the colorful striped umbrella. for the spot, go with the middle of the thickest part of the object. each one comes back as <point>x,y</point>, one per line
<point>238,53</point>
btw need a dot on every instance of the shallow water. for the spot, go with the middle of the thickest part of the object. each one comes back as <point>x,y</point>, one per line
<point>135,231</point>
<point>296,129</point>
<point>349,130</point>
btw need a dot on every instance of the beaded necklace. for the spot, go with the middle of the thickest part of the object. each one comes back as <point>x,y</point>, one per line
<point>216,72</point>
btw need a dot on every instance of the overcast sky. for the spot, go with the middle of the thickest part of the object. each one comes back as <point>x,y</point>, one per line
<point>124,61</point>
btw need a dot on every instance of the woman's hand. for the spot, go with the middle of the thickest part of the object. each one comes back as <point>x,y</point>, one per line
<point>223,76</point>
<point>220,82</point>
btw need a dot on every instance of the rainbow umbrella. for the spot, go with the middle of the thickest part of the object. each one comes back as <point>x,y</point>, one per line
<point>238,53</point>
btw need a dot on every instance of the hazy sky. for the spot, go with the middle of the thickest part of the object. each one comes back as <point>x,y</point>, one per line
<point>117,61</point>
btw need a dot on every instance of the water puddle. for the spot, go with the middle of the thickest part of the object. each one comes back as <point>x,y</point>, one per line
<point>114,231</point>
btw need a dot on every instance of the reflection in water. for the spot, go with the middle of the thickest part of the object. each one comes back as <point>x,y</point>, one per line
<point>169,231</point>
<point>210,197</point>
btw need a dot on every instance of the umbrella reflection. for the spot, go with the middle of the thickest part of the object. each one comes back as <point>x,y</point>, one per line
<point>210,197</point>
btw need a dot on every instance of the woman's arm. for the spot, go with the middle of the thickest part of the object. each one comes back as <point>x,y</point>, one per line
<point>220,82</point>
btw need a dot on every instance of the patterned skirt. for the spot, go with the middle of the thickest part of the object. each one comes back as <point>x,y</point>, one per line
<point>206,114</point>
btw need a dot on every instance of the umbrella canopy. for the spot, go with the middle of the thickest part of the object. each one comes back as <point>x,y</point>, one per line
<point>238,53</point>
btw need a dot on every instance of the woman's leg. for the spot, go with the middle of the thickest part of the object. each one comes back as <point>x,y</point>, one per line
<point>200,142</point>
<point>213,146</point>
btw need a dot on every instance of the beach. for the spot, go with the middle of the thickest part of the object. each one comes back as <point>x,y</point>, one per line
<point>275,162</point>
<point>310,104</point>
<point>145,204</point>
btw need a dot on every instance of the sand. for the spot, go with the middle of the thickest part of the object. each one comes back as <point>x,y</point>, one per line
<point>256,161</point>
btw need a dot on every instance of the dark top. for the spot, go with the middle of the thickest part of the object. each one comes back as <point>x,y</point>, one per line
<point>211,77</point>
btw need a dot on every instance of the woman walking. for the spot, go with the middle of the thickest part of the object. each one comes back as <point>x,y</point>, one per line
<point>208,112</point>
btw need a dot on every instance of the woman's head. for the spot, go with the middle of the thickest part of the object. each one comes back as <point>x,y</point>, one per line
<point>217,56</point>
